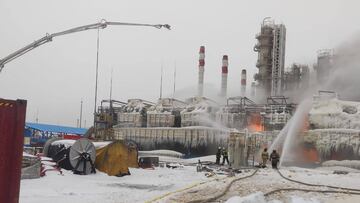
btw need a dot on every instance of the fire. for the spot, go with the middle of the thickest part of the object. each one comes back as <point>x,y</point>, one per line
<point>255,127</point>
<point>306,124</point>
<point>311,155</point>
<point>255,123</point>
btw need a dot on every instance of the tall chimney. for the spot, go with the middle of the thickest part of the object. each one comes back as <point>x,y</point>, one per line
<point>243,83</point>
<point>224,75</point>
<point>201,71</point>
<point>253,89</point>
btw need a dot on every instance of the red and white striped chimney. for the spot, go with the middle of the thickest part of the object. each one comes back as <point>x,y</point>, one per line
<point>243,83</point>
<point>201,71</point>
<point>224,76</point>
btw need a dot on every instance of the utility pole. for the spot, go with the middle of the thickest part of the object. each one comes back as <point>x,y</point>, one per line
<point>173,97</point>
<point>81,106</point>
<point>96,79</point>
<point>161,77</point>
<point>111,82</point>
<point>37,116</point>
<point>174,79</point>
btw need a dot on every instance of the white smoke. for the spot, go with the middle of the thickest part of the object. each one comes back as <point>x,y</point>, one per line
<point>344,78</point>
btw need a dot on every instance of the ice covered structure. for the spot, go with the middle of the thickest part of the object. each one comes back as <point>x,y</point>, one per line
<point>334,143</point>
<point>191,141</point>
<point>331,112</point>
<point>165,113</point>
<point>234,113</point>
<point>133,114</point>
<point>241,113</point>
<point>200,111</point>
<point>334,128</point>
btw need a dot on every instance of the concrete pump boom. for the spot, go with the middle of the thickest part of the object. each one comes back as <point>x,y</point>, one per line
<point>48,37</point>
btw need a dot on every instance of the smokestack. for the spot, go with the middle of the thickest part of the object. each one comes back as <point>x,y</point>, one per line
<point>224,75</point>
<point>253,89</point>
<point>201,71</point>
<point>243,83</point>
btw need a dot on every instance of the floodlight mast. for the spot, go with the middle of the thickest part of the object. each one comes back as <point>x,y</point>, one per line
<point>48,37</point>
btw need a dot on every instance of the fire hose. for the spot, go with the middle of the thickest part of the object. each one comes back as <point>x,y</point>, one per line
<point>225,190</point>
<point>316,185</point>
<point>343,190</point>
<point>310,190</point>
<point>339,189</point>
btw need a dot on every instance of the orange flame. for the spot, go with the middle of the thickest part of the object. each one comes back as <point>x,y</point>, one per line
<point>306,124</point>
<point>255,123</point>
<point>311,155</point>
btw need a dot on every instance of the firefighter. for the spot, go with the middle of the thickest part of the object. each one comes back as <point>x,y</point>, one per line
<point>218,155</point>
<point>199,166</point>
<point>274,158</point>
<point>225,156</point>
<point>264,157</point>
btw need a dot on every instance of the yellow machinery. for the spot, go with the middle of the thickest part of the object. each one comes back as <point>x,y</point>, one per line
<point>116,158</point>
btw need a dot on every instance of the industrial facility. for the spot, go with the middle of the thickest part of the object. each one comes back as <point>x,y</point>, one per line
<point>198,125</point>
<point>271,58</point>
<point>179,101</point>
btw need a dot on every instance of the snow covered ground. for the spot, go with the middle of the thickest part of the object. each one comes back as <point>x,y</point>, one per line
<point>184,184</point>
<point>252,190</point>
<point>142,185</point>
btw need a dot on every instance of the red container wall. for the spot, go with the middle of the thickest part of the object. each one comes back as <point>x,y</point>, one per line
<point>12,124</point>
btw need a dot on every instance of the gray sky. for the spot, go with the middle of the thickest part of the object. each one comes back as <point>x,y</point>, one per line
<point>54,77</point>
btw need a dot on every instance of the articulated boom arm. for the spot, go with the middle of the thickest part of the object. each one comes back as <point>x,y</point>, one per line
<point>48,37</point>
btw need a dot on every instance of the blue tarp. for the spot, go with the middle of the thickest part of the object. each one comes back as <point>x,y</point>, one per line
<point>56,128</point>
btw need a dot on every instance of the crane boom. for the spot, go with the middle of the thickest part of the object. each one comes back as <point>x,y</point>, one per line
<point>48,37</point>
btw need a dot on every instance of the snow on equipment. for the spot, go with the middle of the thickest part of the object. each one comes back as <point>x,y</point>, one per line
<point>78,155</point>
<point>59,152</point>
<point>30,167</point>
<point>48,144</point>
<point>116,158</point>
<point>82,156</point>
<point>149,162</point>
<point>238,149</point>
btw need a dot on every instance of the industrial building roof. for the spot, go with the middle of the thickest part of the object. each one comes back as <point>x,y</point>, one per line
<point>56,128</point>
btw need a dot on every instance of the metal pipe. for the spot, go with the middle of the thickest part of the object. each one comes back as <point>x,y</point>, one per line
<point>48,37</point>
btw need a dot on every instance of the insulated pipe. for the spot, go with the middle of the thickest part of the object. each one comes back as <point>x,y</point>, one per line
<point>224,75</point>
<point>243,83</point>
<point>201,71</point>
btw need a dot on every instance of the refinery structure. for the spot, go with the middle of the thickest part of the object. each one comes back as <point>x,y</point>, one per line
<point>198,125</point>
<point>285,106</point>
<point>272,78</point>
